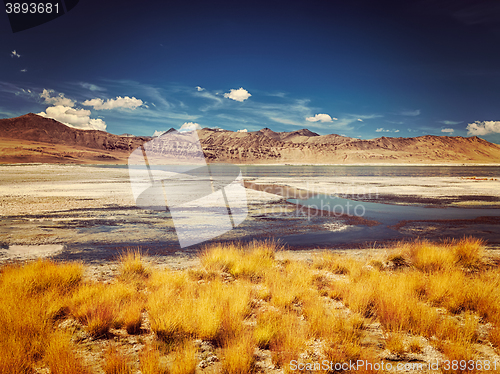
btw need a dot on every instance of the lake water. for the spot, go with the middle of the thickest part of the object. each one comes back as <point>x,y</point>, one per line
<point>388,215</point>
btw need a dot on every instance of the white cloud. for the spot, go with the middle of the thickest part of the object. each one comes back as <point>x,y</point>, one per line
<point>119,102</point>
<point>396,130</point>
<point>360,120</point>
<point>411,113</point>
<point>483,127</point>
<point>77,118</point>
<point>56,100</point>
<point>14,54</point>
<point>91,87</point>
<point>244,130</point>
<point>449,131</point>
<point>24,70</point>
<point>450,122</point>
<point>200,88</point>
<point>238,95</point>
<point>190,126</point>
<point>321,117</point>
<point>381,129</point>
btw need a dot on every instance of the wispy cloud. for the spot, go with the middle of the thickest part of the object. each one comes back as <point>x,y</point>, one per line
<point>450,122</point>
<point>216,100</point>
<point>381,129</point>
<point>91,86</point>
<point>410,113</point>
<point>448,131</point>
<point>200,88</point>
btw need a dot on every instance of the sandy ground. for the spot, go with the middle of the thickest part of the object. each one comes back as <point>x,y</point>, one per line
<point>89,213</point>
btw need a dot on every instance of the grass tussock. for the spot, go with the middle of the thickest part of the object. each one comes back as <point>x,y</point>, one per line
<point>132,266</point>
<point>116,362</point>
<point>61,358</point>
<point>250,261</point>
<point>150,363</point>
<point>422,293</point>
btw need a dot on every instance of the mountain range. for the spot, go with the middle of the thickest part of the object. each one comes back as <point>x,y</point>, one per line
<point>32,138</point>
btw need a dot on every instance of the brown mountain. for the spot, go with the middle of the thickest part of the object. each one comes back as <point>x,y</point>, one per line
<point>267,146</point>
<point>31,138</point>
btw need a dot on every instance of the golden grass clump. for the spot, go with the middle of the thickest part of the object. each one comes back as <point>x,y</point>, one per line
<point>238,356</point>
<point>464,254</point>
<point>184,359</point>
<point>337,263</point>
<point>60,356</point>
<point>116,362</point>
<point>289,284</point>
<point>240,260</point>
<point>132,266</point>
<point>97,305</point>
<point>149,361</point>
<point>42,275</point>
<point>207,311</point>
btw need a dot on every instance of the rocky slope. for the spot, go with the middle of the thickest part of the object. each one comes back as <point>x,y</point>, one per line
<point>31,138</point>
<point>303,146</point>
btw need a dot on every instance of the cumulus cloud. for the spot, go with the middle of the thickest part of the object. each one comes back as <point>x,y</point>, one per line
<point>243,130</point>
<point>14,54</point>
<point>448,131</point>
<point>238,95</point>
<point>200,88</point>
<point>120,102</point>
<point>483,128</point>
<point>360,120</point>
<point>190,126</point>
<point>77,118</point>
<point>411,113</point>
<point>321,117</point>
<point>396,130</point>
<point>59,100</point>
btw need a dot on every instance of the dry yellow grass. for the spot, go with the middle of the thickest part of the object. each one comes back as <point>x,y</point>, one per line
<point>150,363</point>
<point>251,261</point>
<point>132,266</point>
<point>238,356</point>
<point>444,293</point>
<point>116,362</point>
<point>61,358</point>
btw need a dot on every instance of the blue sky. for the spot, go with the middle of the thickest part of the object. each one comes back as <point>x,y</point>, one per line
<point>356,68</point>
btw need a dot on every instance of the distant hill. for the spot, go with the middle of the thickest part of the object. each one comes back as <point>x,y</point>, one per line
<point>304,146</point>
<point>32,138</point>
